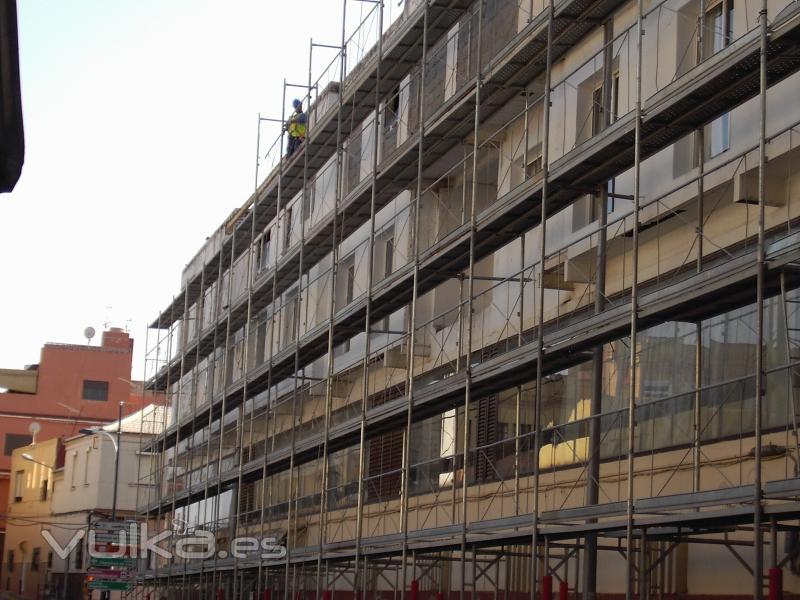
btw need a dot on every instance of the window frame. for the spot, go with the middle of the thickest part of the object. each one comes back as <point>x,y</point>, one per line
<point>90,386</point>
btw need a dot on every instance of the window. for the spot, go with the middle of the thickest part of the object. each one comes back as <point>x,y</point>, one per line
<point>290,315</point>
<point>388,258</point>
<point>95,390</point>
<point>388,267</point>
<point>350,285</point>
<point>86,466</point>
<point>43,491</point>
<point>287,229</point>
<point>19,483</point>
<point>35,558</point>
<point>717,135</point>
<point>717,34</point>
<point>74,468</point>
<point>49,560</point>
<point>597,110</point>
<point>264,251</point>
<point>718,28</point>
<point>351,281</point>
<point>599,122</point>
<point>16,440</point>
<point>10,561</point>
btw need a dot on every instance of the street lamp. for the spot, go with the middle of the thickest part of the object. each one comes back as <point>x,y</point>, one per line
<point>30,458</point>
<point>106,594</point>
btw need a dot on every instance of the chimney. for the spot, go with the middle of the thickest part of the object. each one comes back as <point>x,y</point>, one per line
<point>118,339</point>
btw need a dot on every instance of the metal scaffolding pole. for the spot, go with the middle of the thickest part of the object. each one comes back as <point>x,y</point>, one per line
<point>142,434</point>
<point>210,388</point>
<point>271,335</point>
<point>537,419</point>
<point>596,401</point>
<point>470,293</point>
<point>167,386</point>
<point>331,309</point>
<point>637,176</point>
<point>296,325</point>
<point>170,336</point>
<point>179,409</point>
<point>406,462</point>
<point>698,376</point>
<point>758,567</point>
<point>368,306</point>
<point>246,359</point>
<point>225,359</point>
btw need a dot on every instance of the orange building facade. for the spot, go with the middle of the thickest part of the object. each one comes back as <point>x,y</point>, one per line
<point>73,387</point>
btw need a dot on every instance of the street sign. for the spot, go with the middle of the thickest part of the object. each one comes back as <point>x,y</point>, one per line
<point>120,586</point>
<point>102,561</point>
<point>100,573</point>
<point>111,532</point>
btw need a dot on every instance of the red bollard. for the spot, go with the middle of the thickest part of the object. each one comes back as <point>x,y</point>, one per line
<point>326,595</point>
<point>414,589</point>
<point>267,595</point>
<point>220,594</point>
<point>439,596</point>
<point>563,590</point>
<point>775,584</point>
<point>547,587</point>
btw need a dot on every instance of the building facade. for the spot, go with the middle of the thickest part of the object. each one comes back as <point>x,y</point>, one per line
<point>72,387</point>
<point>28,559</point>
<point>62,487</point>
<point>520,316</point>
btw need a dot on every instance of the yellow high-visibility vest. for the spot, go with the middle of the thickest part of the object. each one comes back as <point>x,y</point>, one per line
<point>297,130</point>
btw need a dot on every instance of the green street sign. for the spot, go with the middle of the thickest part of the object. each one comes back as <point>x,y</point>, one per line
<point>122,561</point>
<point>121,586</point>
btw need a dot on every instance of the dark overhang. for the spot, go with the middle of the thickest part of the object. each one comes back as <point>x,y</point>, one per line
<point>12,137</point>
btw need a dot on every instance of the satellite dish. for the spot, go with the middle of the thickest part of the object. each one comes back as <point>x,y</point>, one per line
<point>34,428</point>
<point>88,333</point>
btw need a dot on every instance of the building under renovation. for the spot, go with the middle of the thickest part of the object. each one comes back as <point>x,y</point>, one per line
<point>520,317</point>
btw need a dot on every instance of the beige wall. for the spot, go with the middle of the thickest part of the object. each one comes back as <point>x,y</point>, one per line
<point>28,515</point>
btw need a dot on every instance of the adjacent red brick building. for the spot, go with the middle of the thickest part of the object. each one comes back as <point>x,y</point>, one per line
<point>72,387</point>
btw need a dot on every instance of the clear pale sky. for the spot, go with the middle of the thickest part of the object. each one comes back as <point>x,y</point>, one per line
<point>140,130</point>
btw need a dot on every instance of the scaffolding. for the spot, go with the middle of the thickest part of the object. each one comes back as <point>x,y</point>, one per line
<point>521,316</point>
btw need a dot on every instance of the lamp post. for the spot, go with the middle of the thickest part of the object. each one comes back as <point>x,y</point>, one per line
<point>106,594</point>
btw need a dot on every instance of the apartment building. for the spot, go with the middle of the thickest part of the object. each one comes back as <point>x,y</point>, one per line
<point>73,386</point>
<point>519,317</point>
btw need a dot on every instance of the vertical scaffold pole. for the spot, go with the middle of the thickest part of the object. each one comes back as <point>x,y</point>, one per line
<point>246,359</point>
<point>596,408</point>
<point>290,514</point>
<point>176,415</point>
<point>637,167</point>
<point>337,200</point>
<point>368,306</point>
<point>698,357</point>
<point>470,293</point>
<point>221,445</point>
<point>406,463</point>
<point>179,409</point>
<point>537,418</point>
<point>271,335</point>
<point>210,390</point>
<point>758,567</point>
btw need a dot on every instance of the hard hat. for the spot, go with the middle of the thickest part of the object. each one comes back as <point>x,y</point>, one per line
<point>296,103</point>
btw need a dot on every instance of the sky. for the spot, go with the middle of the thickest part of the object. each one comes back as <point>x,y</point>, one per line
<point>140,132</point>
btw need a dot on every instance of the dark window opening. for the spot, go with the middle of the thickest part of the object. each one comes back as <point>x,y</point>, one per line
<point>16,440</point>
<point>95,390</point>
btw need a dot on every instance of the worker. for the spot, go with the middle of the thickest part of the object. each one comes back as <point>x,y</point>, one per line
<point>296,127</point>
